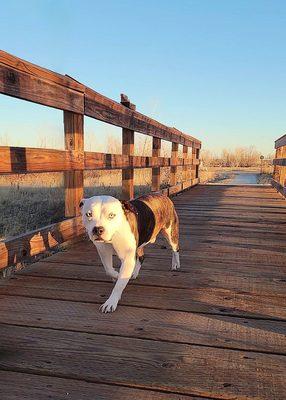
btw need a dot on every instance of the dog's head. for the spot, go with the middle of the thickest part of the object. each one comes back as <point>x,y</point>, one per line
<point>102,217</point>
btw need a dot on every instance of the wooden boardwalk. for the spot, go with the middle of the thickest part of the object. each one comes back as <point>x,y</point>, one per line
<point>214,330</point>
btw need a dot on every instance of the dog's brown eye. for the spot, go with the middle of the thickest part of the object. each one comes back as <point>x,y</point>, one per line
<point>89,214</point>
<point>111,215</point>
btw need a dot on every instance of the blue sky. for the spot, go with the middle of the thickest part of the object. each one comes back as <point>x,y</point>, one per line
<point>213,68</point>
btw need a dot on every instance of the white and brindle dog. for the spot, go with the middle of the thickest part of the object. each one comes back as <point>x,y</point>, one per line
<point>126,227</point>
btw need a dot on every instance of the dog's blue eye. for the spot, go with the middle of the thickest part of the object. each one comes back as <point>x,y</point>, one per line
<point>111,215</point>
<point>89,214</point>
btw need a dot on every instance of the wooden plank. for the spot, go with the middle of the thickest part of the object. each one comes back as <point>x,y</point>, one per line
<point>127,174</point>
<point>19,78</point>
<point>28,245</point>
<point>73,180</point>
<point>194,250</point>
<point>248,280</point>
<point>174,156</point>
<point>173,326</point>
<point>95,160</point>
<point>210,300</point>
<point>156,152</point>
<point>27,87</point>
<point>39,72</point>
<point>185,170</point>
<point>280,142</point>
<point>280,161</point>
<point>175,189</point>
<point>281,189</point>
<point>127,150</point>
<point>19,386</point>
<point>107,110</point>
<point>24,159</point>
<point>170,367</point>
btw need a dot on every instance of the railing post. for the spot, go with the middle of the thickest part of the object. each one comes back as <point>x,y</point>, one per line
<point>127,149</point>
<point>73,180</point>
<point>198,165</point>
<point>174,158</point>
<point>185,176</point>
<point>156,152</point>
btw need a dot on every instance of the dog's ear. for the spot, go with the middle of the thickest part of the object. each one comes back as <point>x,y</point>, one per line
<point>81,204</point>
<point>128,207</point>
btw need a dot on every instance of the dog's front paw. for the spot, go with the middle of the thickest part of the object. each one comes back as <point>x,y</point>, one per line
<point>175,262</point>
<point>109,306</point>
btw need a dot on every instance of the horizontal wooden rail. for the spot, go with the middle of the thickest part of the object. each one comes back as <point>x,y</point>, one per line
<point>23,160</point>
<point>19,78</point>
<point>280,161</point>
<point>280,142</point>
<point>27,246</point>
<point>279,174</point>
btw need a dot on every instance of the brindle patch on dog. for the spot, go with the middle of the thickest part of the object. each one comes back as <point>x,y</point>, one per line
<point>150,214</point>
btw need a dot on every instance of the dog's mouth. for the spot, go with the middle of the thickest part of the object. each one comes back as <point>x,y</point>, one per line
<point>99,239</point>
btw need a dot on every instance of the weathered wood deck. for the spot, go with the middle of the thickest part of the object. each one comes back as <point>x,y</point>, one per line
<point>214,330</point>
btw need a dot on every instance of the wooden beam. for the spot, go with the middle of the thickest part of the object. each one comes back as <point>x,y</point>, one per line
<point>29,245</point>
<point>280,142</point>
<point>127,174</point>
<point>156,152</point>
<point>27,87</point>
<point>73,126</point>
<point>107,110</point>
<point>39,72</point>
<point>19,78</point>
<point>281,189</point>
<point>185,174</point>
<point>18,160</point>
<point>127,150</point>
<point>15,160</point>
<point>174,158</point>
<point>280,161</point>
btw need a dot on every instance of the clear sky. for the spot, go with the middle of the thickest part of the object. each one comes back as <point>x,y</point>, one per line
<point>215,69</point>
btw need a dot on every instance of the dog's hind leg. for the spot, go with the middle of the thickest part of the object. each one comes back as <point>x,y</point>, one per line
<point>139,261</point>
<point>105,252</point>
<point>172,236</point>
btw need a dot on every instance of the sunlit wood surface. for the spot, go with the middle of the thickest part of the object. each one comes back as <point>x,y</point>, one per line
<point>214,330</point>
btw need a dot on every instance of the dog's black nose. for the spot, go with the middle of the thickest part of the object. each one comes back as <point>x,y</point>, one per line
<point>98,230</point>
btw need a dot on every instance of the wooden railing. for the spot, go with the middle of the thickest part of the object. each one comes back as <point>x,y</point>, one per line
<point>21,79</point>
<point>279,174</point>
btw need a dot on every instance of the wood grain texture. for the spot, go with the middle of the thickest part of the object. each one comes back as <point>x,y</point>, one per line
<point>156,152</point>
<point>24,86</point>
<point>171,326</point>
<point>280,142</point>
<point>204,299</point>
<point>39,72</point>
<point>19,78</point>
<point>174,156</point>
<point>245,280</point>
<point>170,367</point>
<point>24,159</point>
<point>107,110</point>
<point>215,329</point>
<point>28,245</point>
<point>40,387</point>
<point>73,180</point>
